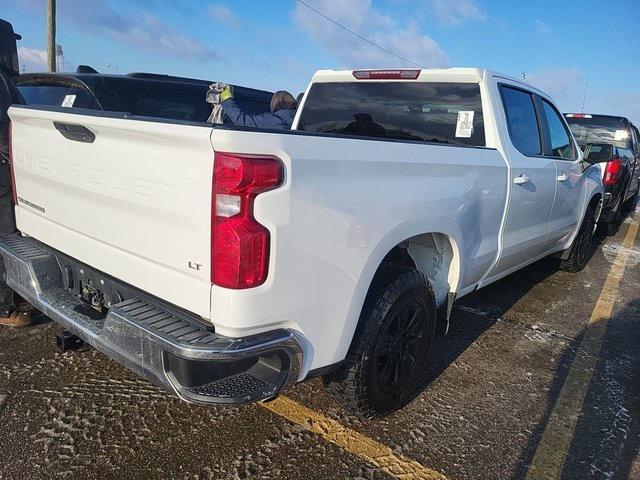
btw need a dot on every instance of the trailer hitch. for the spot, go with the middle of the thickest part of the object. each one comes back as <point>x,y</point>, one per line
<point>66,341</point>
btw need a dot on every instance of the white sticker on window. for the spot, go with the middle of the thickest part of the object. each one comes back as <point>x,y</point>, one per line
<point>621,135</point>
<point>68,100</point>
<point>464,125</point>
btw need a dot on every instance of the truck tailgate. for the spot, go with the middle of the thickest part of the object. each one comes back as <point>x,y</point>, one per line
<point>134,203</point>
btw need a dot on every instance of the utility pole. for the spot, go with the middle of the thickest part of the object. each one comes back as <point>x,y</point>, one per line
<point>51,35</point>
<point>59,58</point>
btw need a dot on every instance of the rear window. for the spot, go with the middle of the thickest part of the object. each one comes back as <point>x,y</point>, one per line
<point>419,111</point>
<point>601,129</point>
<point>59,95</point>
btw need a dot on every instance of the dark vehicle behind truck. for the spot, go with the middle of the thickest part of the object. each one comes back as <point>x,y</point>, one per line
<point>144,94</point>
<point>619,139</point>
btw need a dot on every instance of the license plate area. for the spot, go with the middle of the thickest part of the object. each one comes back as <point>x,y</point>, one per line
<point>96,291</point>
<point>94,297</point>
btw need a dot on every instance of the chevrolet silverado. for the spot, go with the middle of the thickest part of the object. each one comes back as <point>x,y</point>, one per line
<point>226,264</point>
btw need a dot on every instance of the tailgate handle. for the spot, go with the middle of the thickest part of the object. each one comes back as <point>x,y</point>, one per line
<point>77,133</point>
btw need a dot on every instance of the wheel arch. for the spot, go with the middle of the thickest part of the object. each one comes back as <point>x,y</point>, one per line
<point>596,201</point>
<point>414,249</point>
<point>595,198</point>
<point>435,254</point>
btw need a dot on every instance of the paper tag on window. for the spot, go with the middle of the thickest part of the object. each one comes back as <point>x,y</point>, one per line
<point>621,135</point>
<point>68,100</point>
<point>464,125</point>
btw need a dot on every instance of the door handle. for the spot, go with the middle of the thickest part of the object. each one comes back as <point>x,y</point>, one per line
<point>75,132</point>
<point>521,180</point>
<point>562,177</point>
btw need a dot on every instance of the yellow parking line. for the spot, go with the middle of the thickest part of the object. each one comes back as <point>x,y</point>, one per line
<point>549,459</point>
<point>353,442</point>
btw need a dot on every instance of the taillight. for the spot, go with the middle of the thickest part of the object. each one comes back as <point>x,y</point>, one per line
<point>386,74</point>
<point>12,173</point>
<point>612,172</point>
<point>577,115</point>
<point>239,244</point>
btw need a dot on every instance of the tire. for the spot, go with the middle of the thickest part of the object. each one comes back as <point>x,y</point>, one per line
<point>612,227</point>
<point>582,246</point>
<point>632,202</point>
<point>387,364</point>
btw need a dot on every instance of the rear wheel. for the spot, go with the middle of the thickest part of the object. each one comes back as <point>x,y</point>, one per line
<point>612,227</point>
<point>581,248</point>
<point>632,202</point>
<point>387,365</point>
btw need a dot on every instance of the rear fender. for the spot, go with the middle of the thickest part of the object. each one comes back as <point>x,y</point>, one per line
<point>401,235</point>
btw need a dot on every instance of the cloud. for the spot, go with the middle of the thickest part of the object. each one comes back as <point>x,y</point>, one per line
<point>360,16</point>
<point>32,60</point>
<point>542,28</point>
<point>224,15</point>
<point>626,104</point>
<point>143,30</point>
<point>455,12</point>
<point>563,84</point>
<point>566,86</point>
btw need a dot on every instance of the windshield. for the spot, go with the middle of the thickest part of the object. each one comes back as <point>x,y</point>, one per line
<point>420,111</point>
<point>601,129</point>
<point>150,98</point>
<point>59,95</point>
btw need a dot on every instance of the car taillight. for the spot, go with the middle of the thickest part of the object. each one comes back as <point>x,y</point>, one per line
<point>612,172</point>
<point>239,244</point>
<point>386,74</point>
<point>577,115</point>
<point>12,173</point>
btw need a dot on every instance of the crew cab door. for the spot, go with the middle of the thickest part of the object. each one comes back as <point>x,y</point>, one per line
<point>533,182</point>
<point>558,145</point>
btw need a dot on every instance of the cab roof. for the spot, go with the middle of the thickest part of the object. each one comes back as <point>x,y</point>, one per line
<point>453,74</point>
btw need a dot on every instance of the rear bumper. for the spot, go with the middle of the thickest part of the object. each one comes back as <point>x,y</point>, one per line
<point>153,339</point>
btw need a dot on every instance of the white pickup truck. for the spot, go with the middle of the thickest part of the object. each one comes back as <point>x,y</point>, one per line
<point>226,263</point>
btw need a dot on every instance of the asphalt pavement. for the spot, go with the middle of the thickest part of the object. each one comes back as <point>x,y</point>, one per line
<point>539,377</point>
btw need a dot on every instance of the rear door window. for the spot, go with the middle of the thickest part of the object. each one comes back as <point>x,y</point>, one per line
<point>560,141</point>
<point>521,120</point>
<point>449,113</point>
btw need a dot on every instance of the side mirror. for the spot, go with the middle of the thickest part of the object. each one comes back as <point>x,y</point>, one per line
<point>598,152</point>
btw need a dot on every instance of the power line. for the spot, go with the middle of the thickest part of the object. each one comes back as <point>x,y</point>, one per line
<point>584,96</point>
<point>358,35</point>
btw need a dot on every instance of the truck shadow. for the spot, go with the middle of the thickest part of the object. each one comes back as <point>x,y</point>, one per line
<point>479,310</point>
<point>606,439</point>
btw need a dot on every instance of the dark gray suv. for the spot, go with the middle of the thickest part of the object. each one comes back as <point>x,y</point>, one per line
<point>617,139</point>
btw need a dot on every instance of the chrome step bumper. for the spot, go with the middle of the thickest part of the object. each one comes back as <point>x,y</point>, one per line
<point>153,339</point>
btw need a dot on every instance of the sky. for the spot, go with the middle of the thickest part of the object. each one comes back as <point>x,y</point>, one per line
<point>278,44</point>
